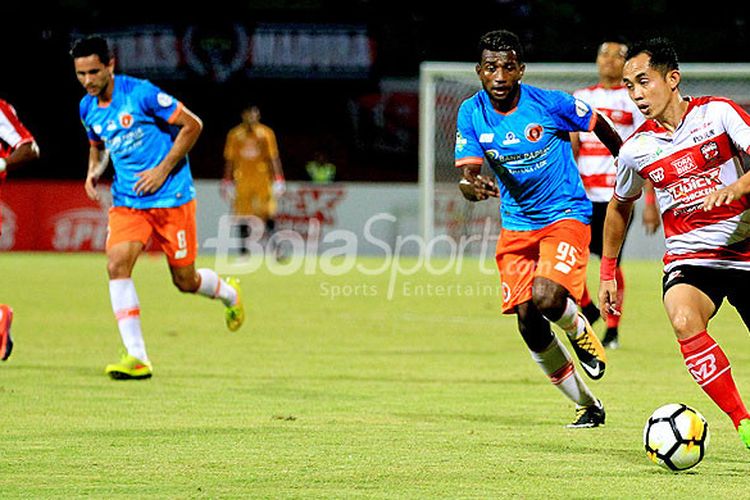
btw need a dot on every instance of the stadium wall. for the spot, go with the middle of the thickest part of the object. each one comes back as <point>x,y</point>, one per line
<point>57,216</point>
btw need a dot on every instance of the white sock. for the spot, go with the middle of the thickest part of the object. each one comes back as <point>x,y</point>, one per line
<point>128,314</point>
<point>570,321</point>
<point>556,363</point>
<point>216,288</point>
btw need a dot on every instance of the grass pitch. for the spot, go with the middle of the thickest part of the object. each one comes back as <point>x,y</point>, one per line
<point>428,393</point>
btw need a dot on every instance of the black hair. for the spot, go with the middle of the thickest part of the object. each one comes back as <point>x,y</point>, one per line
<point>662,53</point>
<point>500,41</point>
<point>89,46</point>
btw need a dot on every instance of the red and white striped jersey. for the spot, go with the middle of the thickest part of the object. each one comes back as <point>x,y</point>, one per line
<point>595,162</point>
<point>12,131</point>
<point>700,157</point>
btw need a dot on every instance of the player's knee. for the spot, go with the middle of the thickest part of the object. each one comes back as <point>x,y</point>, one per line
<point>118,269</point>
<point>685,322</point>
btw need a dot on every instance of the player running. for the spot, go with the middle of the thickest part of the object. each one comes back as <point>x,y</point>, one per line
<point>147,133</point>
<point>522,131</point>
<point>17,146</point>
<point>690,149</point>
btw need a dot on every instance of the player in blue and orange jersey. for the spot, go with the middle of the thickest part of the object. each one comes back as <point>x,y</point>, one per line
<point>147,133</point>
<point>523,134</point>
<point>17,146</point>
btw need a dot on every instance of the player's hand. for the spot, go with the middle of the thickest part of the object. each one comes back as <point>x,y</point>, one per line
<point>279,187</point>
<point>227,189</point>
<point>651,219</point>
<point>722,197</point>
<point>608,298</point>
<point>90,187</point>
<point>478,188</point>
<point>149,181</point>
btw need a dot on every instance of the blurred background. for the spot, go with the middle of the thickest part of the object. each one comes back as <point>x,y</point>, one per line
<point>332,76</point>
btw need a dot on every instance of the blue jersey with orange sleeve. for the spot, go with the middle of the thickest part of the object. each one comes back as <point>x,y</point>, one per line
<point>529,151</point>
<point>135,127</point>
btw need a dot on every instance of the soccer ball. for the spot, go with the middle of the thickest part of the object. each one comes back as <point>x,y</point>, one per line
<point>676,437</point>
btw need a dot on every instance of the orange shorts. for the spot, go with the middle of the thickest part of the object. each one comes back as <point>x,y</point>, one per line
<point>173,230</point>
<point>558,252</point>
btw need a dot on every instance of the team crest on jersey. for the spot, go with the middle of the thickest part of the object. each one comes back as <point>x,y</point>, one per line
<point>164,100</point>
<point>533,132</point>
<point>657,174</point>
<point>460,141</point>
<point>581,108</point>
<point>510,138</point>
<point>126,120</point>
<point>684,164</point>
<point>710,150</point>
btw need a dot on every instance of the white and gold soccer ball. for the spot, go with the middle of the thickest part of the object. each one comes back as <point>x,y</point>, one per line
<point>676,437</point>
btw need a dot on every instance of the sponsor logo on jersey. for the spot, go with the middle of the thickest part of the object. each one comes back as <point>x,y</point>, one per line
<point>695,187</point>
<point>710,150</point>
<point>97,129</point>
<point>684,164</point>
<point>581,108</point>
<point>533,132</point>
<point>657,175</point>
<point>506,293</point>
<point>486,137</point>
<point>111,125</point>
<point>510,138</point>
<point>126,120</point>
<point>164,100</point>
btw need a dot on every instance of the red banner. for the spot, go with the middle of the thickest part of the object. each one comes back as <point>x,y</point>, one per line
<point>52,216</point>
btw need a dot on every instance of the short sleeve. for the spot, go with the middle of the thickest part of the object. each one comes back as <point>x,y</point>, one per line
<point>156,102</point>
<point>736,122</point>
<point>468,151</point>
<point>229,146</point>
<point>571,114</point>
<point>629,182</point>
<point>273,148</point>
<point>12,131</point>
<point>92,136</point>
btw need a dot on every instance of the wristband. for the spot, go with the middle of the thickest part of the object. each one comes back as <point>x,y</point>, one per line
<point>279,178</point>
<point>607,268</point>
<point>3,165</point>
<point>650,198</point>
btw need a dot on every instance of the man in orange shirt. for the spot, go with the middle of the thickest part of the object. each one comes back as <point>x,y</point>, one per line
<point>252,174</point>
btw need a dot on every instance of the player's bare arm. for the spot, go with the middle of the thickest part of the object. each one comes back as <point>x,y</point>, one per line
<point>606,133</point>
<point>615,227</point>
<point>477,187</point>
<point>98,161</point>
<point>190,128</point>
<point>651,217</point>
<point>24,153</point>
<point>575,143</point>
<point>734,191</point>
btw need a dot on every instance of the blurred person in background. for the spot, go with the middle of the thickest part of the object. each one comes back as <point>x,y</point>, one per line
<point>597,166</point>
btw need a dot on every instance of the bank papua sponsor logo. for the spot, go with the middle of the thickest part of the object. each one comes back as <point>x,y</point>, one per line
<point>533,132</point>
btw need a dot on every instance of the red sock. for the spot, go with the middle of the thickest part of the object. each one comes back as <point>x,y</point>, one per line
<point>586,298</point>
<point>709,366</point>
<point>613,321</point>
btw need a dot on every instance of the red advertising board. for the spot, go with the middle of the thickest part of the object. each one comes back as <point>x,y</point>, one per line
<point>52,216</point>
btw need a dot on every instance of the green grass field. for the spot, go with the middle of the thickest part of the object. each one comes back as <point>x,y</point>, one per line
<point>429,395</point>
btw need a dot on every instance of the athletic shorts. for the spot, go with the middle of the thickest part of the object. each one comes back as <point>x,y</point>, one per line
<point>716,284</point>
<point>254,198</point>
<point>558,252</point>
<point>172,229</point>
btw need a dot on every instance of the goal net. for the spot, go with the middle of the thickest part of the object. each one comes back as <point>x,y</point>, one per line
<point>443,86</point>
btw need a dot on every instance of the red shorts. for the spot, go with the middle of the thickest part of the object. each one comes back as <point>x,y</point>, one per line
<point>173,230</point>
<point>558,252</point>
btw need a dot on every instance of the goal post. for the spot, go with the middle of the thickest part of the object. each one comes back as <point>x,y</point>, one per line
<point>444,85</point>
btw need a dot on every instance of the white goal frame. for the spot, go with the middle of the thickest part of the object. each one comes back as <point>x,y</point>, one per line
<point>431,71</point>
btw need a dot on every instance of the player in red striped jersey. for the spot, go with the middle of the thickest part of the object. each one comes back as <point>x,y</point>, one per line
<point>17,146</point>
<point>597,167</point>
<point>690,148</point>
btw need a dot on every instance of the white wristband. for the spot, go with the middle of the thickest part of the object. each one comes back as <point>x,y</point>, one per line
<point>3,164</point>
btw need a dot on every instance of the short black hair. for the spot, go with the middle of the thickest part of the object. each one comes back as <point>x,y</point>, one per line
<point>662,53</point>
<point>92,45</point>
<point>500,41</point>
